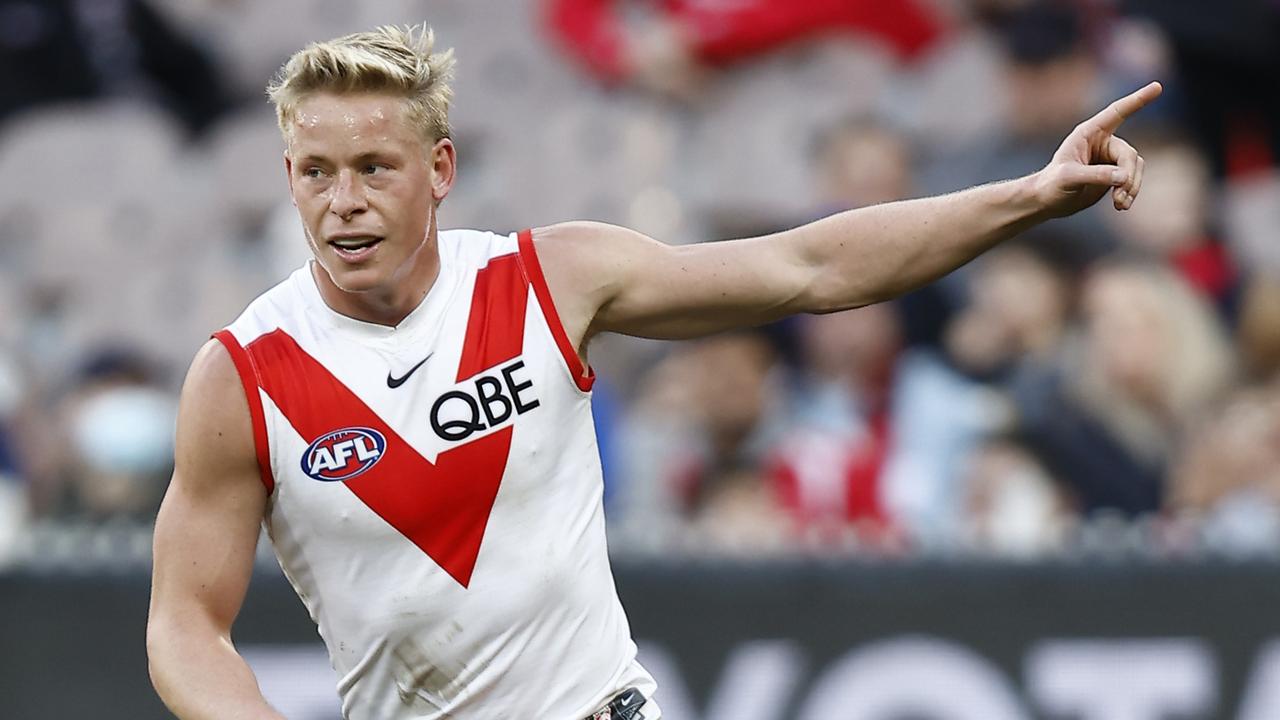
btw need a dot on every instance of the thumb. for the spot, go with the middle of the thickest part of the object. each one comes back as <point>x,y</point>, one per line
<point>1075,175</point>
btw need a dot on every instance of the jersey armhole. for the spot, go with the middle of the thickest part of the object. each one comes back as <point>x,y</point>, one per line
<point>249,380</point>
<point>584,378</point>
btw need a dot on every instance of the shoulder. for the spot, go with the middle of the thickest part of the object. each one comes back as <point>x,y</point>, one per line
<point>594,253</point>
<point>586,265</point>
<point>586,237</point>
<point>212,372</point>
<point>214,433</point>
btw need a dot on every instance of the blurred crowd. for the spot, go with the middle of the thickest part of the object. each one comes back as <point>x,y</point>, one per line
<point>1117,370</point>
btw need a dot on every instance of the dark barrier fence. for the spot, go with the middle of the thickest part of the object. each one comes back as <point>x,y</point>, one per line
<point>813,640</point>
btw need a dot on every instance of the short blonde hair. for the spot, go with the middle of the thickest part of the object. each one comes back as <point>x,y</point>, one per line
<point>393,60</point>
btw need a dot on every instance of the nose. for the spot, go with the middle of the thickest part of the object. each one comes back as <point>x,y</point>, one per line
<point>348,196</point>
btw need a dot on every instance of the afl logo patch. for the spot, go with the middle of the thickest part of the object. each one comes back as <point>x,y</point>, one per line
<point>343,454</point>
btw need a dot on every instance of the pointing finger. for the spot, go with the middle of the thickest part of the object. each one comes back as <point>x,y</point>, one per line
<point>1117,112</point>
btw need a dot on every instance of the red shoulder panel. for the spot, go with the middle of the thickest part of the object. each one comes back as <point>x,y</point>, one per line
<point>249,380</point>
<point>583,377</point>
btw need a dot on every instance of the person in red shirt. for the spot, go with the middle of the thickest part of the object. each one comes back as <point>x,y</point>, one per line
<point>687,37</point>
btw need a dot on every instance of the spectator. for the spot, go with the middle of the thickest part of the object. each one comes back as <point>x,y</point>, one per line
<point>946,403</point>
<point>1107,417</point>
<point>828,465</point>
<point>738,512</point>
<point>704,424</point>
<point>673,52</point>
<point>1172,222</point>
<point>1016,312</point>
<point>1227,474</point>
<point>1258,331</point>
<point>120,423</point>
<point>737,399</point>
<point>656,443</point>
<point>1012,506</point>
<point>861,161</point>
<point>55,50</point>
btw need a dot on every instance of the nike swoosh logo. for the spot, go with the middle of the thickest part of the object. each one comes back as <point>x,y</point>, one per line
<point>394,382</point>
<point>629,702</point>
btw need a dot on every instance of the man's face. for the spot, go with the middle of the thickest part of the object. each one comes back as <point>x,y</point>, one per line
<point>366,186</point>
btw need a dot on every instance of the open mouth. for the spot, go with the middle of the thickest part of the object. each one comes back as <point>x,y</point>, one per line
<point>355,249</point>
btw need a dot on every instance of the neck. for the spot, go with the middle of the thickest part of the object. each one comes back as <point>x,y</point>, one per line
<point>391,304</point>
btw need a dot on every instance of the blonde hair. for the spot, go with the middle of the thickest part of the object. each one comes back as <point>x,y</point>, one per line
<point>393,60</point>
<point>1196,365</point>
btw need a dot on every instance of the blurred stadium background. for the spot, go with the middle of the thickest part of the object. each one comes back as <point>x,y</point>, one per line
<point>1047,486</point>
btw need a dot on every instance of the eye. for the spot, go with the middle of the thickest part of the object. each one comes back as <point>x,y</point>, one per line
<point>373,169</point>
<point>313,172</point>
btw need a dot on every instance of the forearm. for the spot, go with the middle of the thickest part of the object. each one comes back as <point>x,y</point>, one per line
<point>872,254</point>
<point>200,675</point>
<point>620,281</point>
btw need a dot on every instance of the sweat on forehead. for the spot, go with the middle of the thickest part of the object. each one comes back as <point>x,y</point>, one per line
<point>328,117</point>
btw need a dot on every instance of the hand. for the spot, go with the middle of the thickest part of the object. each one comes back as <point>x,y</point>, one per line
<point>1092,160</point>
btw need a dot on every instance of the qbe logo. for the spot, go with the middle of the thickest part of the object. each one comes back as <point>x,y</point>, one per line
<point>343,454</point>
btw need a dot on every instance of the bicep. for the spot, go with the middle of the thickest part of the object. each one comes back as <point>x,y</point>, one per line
<point>639,286</point>
<point>207,529</point>
<point>203,554</point>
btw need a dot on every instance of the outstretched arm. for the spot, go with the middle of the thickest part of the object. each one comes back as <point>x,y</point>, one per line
<point>205,539</point>
<point>610,279</point>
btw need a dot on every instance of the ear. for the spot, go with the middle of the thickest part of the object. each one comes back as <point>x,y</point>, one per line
<point>288,174</point>
<point>444,167</point>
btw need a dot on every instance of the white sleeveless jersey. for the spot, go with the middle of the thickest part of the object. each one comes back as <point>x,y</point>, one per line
<point>435,493</point>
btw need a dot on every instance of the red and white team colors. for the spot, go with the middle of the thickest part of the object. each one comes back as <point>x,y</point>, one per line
<point>435,493</point>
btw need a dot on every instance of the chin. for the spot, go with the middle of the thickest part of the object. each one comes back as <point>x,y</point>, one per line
<point>354,279</point>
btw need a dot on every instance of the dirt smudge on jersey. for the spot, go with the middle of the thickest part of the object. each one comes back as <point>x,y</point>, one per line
<point>422,684</point>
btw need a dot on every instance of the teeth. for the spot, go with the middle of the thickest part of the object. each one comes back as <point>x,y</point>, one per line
<point>354,243</point>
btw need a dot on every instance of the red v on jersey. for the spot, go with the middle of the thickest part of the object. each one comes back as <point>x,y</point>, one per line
<point>442,508</point>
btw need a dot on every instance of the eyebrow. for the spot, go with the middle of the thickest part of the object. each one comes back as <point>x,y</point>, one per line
<point>362,157</point>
